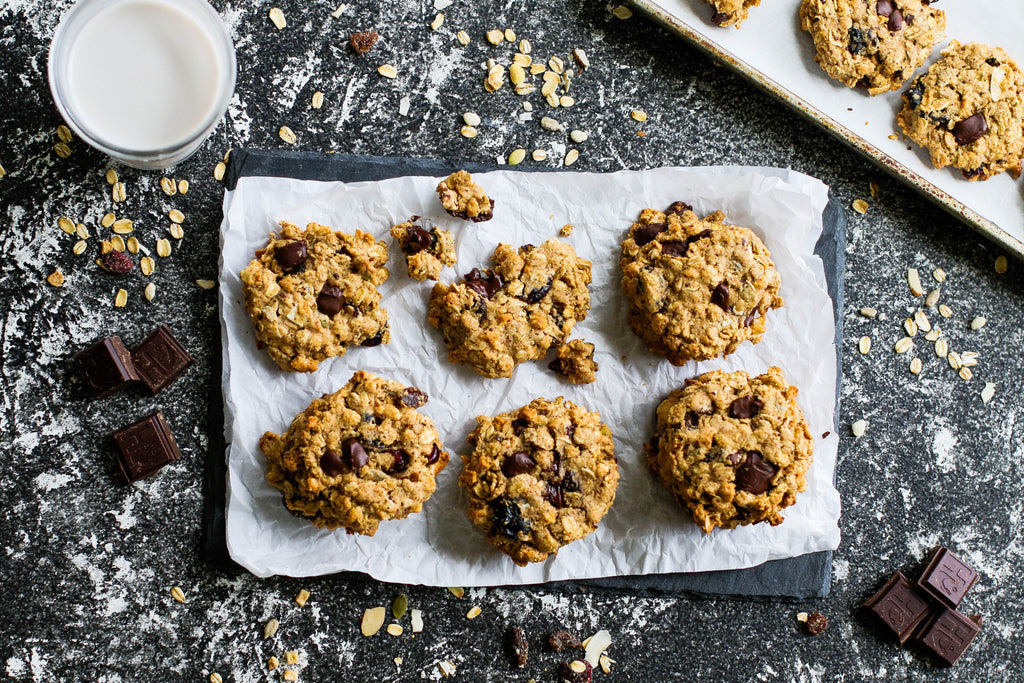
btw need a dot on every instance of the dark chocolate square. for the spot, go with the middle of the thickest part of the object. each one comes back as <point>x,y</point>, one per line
<point>948,633</point>
<point>160,359</point>
<point>145,447</point>
<point>947,578</point>
<point>899,606</point>
<point>106,367</point>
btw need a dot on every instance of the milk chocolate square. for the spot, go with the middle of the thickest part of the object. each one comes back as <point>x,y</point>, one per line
<point>948,633</point>
<point>947,578</point>
<point>160,359</point>
<point>899,606</point>
<point>106,367</point>
<point>145,447</point>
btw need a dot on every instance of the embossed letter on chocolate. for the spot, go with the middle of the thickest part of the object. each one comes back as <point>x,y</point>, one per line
<point>145,447</point>
<point>947,578</point>
<point>899,606</point>
<point>106,367</point>
<point>160,359</point>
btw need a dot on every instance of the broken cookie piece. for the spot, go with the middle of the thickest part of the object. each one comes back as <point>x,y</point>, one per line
<point>426,251</point>
<point>575,362</point>
<point>463,198</point>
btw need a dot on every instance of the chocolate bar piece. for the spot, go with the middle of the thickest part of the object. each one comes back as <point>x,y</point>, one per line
<point>948,633</point>
<point>160,359</point>
<point>106,367</point>
<point>899,606</point>
<point>947,578</point>
<point>145,447</point>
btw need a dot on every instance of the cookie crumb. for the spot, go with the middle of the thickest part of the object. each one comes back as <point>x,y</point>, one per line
<point>566,230</point>
<point>816,623</point>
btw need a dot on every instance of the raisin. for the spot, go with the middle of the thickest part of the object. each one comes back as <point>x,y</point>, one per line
<point>518,647</point>
<point>559,640</point>
<point>413,397</point>
<point>535,296</point>
<point>400,462</point>
<point>570,483</point>
<point>117,262</point>
<point>857,43</point>
<point>992,61</point>
<point>508,519</point>
<point>377,339</point>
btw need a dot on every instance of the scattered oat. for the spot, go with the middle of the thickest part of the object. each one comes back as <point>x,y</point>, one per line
<point>571,156</point>
<point>119,301</point>
<point>163,247</point>
<point>939,274</point>
<point>916,365</point>
<point>394,629</point>
<point>106,247</point>
<point>934,334</point>
<point>941,348</point>
<point>903,345</point>
<point>988,392</point>
<point>123,226</point>
<point>290,675</point>
<point>210,284</point>
<point>578,136</point>
<point>539,155</point>
<point>864,345</point>
<point>524,46</point>
<point>873,186</point>
<point>858,428</point>
<point>149,292</point>
<point>108,220</point>
<point>517,74</point>
<point>914,280</point>
<point>953,358</point>
<point>556,65</point>
<point>176,592</point>
<point>373,619</point>
<point>62,150</point>
<point>218,170</point>
<point>969,358</point>
<point>117,192</point>
<point>147,265</point>
<point>860,206</point>
<point>965,374</point>
<point>457,591</point>
<point>318,100</point>
<point>80,247</point>
<point>945,311</point>
<point>64,133</point>
<point>117,243</point>
<point>416,619</point>
<point>932,298</point>
<point>168,186</point>
<point>133,245</point>
<point>1001,265</point>
<point>639,115</point>
<point>978,323</point>
<point>56,278</point>
<point>303,595</point>
<point>176,231</point>
<point>447,668</point>
<point>566,101</point>
<point>495,37</point>
<point>462,37</point>
<point>606,663</point>
<point>473,612</point>
<point>910,326</point>
<point>182,186</point>
<point>287,134</point>
<point>277,16</point>
<point>111,177</point>
<point>387,71</point>
<point>438,20</point>
<point>215,678</point>
<point>922,322</point>
<point>622,12</point>
<point>516,157</point>
<point>66,224</point>
<point>537,69</point>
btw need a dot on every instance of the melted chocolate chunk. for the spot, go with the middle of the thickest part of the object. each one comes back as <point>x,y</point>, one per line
<point>330,300</point>
<point>508,519</point>
<point>745,407</point>
<point>413,397</point>
<point>400,460</point>
<point>519,462</point>
<point>884,8</point>
<point>895,22</point>
<point>992,61</point>
<point>678,209</point>
<point>486,283</point>
<point>751,317</point>
<point>553,495</point>
<point>646,232</point>
<point>353,454</point>
<point>416,239</point>
<point>720,295</point>
<point>291,255</point>
<point>755,475</point>
<point>719,18</point>
<point>519,425</point>
<point>331,463</point>
<point>674,248</point>
<point>970,129</point>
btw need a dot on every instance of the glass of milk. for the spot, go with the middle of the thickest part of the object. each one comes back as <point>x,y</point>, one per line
<point>145,81</point>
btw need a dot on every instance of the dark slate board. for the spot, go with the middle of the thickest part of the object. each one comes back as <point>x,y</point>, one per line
<point>806,576</point>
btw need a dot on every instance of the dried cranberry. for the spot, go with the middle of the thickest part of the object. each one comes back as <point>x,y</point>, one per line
<point>535,296</point>
<point>518,646</point>
<point>362,41</point>
<point>117,262</point>
<point>559,640</point>
<point>400,460</point>
<point>576,671</point>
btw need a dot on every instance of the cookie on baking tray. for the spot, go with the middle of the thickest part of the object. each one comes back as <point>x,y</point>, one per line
<point>731,12</point>
<point>968,111</point>
<point>357,457</point>
<point>873,44</point>
<point>463,198</point>
<point>732,449</point>
<point>697,287</point>
<point>539,477</point>
<point>313,293</point>
<point>497,318</point>
<point>427,251</point>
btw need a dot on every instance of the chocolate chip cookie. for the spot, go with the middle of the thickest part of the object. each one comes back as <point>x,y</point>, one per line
<point>697,288</point>
<point>463,198</point>
<point>357,457</point>
<point>313,293</point>
<point>575,362</point>
<point>968,111</point>
<point>539,477</point>
<point>872,44</point>
<point>426,251</point>
<point>497,318</point>
<point>731,12</point>
<point>731,449</point>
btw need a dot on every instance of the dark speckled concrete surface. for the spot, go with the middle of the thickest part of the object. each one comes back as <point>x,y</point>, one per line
<point>88,563</point>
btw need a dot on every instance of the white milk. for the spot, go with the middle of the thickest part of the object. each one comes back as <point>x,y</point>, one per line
<point>143,75</point>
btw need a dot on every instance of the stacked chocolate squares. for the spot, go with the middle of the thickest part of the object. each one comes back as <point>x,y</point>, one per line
<point>107,367</point>
<point>926,612</point>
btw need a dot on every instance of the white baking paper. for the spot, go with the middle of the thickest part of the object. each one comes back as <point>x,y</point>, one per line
<point>770,41</point>
<point>645,532</point>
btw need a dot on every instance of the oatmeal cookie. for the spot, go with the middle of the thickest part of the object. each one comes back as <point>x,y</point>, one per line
<point>426,251</point>
<point>529,302</point>
<point>575,362</point>
<point>539,477</point>
<point>731,449</point>
<point>697,288</point>
<point>731,12</point>
<point>968,111</point>
<point>463,198</point>
<point>313,293</point>
<point>873,44</point>
<point>357,457</point>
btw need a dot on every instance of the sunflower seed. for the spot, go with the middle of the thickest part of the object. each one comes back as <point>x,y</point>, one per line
<point>64,133</point>
<point>516,157</point>
<point>111,177</point>
<point>373,619</point>
<point>119,302</point>
<point>969,358</point>
<point>277,16</point>
<point>978,323</point>
<point>147,265</point>
<point>218,170</point>
<point>463,37</point>
<point>571,156</point>
<point>108,220</point>
<point>910,326</point>
<point>56,278</point>
<point>270,629</point>
<point>163,247</point>
<point>470,118</point>
<point>922,321</point>
<point>457,591</point>
<point>62,150</point>
<point>416,619</point>
<point>639,115</point>
<point>473,612</point>
<point>864,345</point>
<point>539,155</point>
<point>953,358</point>
<point>182,186</point>
<point>941,348</point>
<point>495,37</point>
<point>117,192</point>
<point>176,592</point>
<point>286,134</point>
<point>210,284</point>
<point>133,245</point>
<point>318,100</point>
<point>622,12</point>
<point>988,392</point>
<point>394,630</point>
<point>149,292</point>
<point>168,186</point>
<point>80,247</point>
<point>548,123</point>
<point>303,595</point>
<point>1001,265</point>
<point>858,428</point>
<point>66,224</point>
<point>903,345</point>
<point>915,366</point>
<point>939,274</point>
<point>438,20</point>
<point>524,46</point>
<point>581,58</point>
<point>117,243</point>
<point>868,312</point>
<point>932,298</point>
<point>914,280</point>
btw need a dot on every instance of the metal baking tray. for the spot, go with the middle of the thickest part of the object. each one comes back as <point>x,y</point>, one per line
<point>772,51</point>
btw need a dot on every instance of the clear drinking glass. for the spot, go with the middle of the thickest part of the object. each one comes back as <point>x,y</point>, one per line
<point>84,22</point>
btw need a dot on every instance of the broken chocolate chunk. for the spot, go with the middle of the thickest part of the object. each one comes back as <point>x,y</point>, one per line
<point>519,462</point>
<point>646,232</point>
<point>508,519</point>
<point>884,8</point>
<point>899,606</point>
<point>160,359</point>
<point>518,646</point>
<point>816,623</point>
<point>755,475</point>
<point>291,255</point>
<point>895,22</point>
<point>559,640</point>
<point>745,407</point>
<point>720,296</point>
<point>362,41</point>
<point>947,578</point>
<point>675,248</point>
<point>970,129</point>
<point>106,367</point>
<point>353,454</point>
<point>331,463</point>
<point>519,425</point>
<point>145,447</point>
<point>948,634</point>
<point>553,495</point>
<point>413,397</point>
<point>486,283</point>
